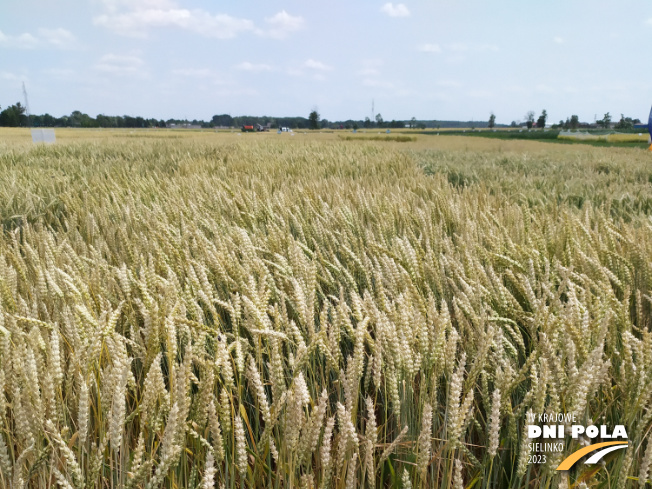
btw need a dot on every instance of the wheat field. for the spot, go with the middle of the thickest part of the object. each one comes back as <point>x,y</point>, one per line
<point>202,310</point>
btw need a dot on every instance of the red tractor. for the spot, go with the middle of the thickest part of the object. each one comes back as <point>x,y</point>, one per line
<point>247,128</point>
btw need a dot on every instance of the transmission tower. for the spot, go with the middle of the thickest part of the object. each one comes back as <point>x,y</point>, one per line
<point>26,104</point>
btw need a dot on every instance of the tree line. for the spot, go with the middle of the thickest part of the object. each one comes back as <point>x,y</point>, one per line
<point>571,123</point>
<point>15,116</point>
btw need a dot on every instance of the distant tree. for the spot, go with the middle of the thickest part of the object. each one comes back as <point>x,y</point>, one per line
<point>625,123</point>
<point>413,123</point>
<point>48,120</point>
<point>513,124</point>
<point>529,119</point>
<point>379,120</point>
<point>541,121</point>
<point>421,125</point>
<point>313,120</point>
<point>574,122</point>
<point>492,120</point>
<point>355,126</point>
<point>223,120</point>
<point>13,116</point>
<point>605,122</point>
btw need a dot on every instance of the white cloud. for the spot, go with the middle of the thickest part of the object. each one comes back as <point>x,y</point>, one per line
<point>21,41</point>
<point>398,10</point>
<point>649,21</point>
<point>429,48</point>
<point>115,5</point>
<point>60,38</point>
<point>282,24</point>
<point>317,65</point>
<point>56,38</point>
<point>247,66</point>
<point>137,18</point>
<point>121,65</point>
<point>137,22</point>
<point>558,40</point>
<point>313,68</point>
<point>368,72</point>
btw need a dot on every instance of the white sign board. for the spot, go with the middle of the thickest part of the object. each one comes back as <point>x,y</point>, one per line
<point>43,136</point>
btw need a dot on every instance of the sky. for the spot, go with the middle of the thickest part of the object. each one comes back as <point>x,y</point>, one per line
<point>434,59</point>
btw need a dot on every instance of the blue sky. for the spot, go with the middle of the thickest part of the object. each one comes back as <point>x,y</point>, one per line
<point>428,59</point>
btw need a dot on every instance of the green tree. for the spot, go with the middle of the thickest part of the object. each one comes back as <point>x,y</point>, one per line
<point>541,121</point>
<point>625,123</point>
<point>492,120</point>
<point>379,120</point>
<point>605,122</point>
<point>413,123</point>
<point>313,120</point>
<point>13,116</point>
<point>529,119</point>
<point>574,122</point>
<point>222,120</point>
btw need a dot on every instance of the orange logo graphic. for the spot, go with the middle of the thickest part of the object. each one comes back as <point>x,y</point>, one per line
<point>607,446</point>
